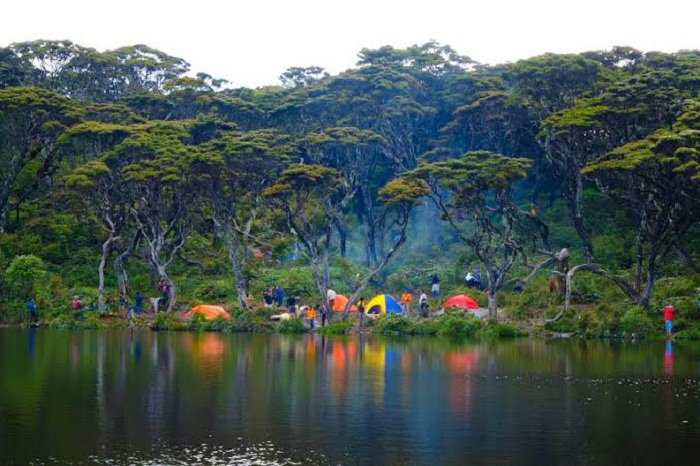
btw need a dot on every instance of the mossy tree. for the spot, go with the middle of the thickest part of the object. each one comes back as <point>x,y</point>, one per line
<point>232,171</point>
<point>98,188</point>
<point>155,162</point>
<point>355,153</point>
<point>31,120</point>
<point>474,195</point>
<point>658,179</point>
<point>307,195</point>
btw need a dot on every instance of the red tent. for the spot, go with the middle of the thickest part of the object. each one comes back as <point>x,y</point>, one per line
<point>463,301</point>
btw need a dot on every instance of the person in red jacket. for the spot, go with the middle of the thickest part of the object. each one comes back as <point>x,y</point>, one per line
<point>668,311</point>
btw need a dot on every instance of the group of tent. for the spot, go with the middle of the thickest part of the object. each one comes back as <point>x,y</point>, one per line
<point>380,304</point>
<point>386,304</point>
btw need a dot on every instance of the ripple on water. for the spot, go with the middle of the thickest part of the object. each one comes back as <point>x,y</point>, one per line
<point>261,454</point>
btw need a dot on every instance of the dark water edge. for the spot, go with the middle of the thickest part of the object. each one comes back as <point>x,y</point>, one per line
<point>140,397</point>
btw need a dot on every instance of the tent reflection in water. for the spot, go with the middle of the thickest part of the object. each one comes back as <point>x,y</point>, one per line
<point>208,311</point>
<point>383,304</point>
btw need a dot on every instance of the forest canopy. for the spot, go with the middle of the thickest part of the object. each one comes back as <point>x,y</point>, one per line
<point>417,159</point>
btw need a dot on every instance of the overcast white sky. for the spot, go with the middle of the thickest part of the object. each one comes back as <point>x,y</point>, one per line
<point>251,42</point>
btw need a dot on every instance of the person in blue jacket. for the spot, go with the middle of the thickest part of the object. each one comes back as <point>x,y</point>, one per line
<point>33,316</point>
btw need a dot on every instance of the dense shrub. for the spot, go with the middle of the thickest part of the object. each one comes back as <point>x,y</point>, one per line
<point>426,327</point>
<point>458,325</point>
<point>394,325</point>
<point>498,330</point>
<point>340,327</point>
<point>290,326</point>
<point>688,334</point>
<point>214,291</point>
<point>24,274</point>
<point>167,321</point>
<point>242,321</point>
<point>636,321</point>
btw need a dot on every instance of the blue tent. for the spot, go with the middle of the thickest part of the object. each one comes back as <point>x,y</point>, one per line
<point>383,304</point>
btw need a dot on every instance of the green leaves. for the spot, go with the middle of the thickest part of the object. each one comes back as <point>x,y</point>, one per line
<point>301,179</point>
<point>403,191</point>
<point>475,172</point>
<point>24,272</point>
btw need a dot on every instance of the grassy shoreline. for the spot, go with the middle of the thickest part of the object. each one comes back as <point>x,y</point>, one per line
<point>455,324</point>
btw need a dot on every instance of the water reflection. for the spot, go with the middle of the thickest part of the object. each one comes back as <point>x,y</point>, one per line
<point>345,400</point>
<point>668,359</point>
<point>31,342</point>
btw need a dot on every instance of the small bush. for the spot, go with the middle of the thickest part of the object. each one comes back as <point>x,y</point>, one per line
<point>24,273</point>
<point>242,321</point>
<point>340,327</point>
<point>688,334</point>
<point>636,321</point>
<point>92,321</point>
<point>62,321</point>
<point>458,325</point>
<point>393,325</point>
<point>585,293</point>
<point>214,290</point>
<point>498,330</point>
<point>166,321</point>
<point>291,326</point>
<point>428,327</point>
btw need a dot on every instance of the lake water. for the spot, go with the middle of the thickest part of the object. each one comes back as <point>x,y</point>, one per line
<point>141,397</point>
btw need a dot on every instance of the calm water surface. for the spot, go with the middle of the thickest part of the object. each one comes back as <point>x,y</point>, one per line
<point>121,397</point>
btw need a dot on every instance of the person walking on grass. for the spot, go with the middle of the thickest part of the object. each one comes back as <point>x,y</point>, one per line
<point>669,312</point>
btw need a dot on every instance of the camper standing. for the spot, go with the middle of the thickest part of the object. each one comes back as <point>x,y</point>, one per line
<point>31,306</point>
<point>311,316</point>
<point>406,299</point>
<point>669,312</point>
<point>435,290</point>
<point>423,301</point>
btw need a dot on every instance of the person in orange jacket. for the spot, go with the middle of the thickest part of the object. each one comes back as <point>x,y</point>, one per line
<point>311,316</point>
<point>406,299</point>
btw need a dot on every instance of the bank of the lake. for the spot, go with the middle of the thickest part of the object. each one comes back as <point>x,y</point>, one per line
<point>453,324</point>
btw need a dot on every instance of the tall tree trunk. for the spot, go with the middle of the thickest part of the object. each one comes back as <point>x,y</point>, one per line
<point>651,277</point>
<point>3,216</point>
<point>371,246</point>
<point>326,263</point>
<point>120,262</point>
<point>233,246</point>
<point>638,262</point>
<point>172,297</point>
<point>342,237</point>
<point>576,208</point>
<point>239,278</point>
<point>106,249</point>
<point>492,300</point>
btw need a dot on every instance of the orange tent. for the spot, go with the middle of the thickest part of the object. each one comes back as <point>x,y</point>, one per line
<point>209,312</point>
<point>339,303</point>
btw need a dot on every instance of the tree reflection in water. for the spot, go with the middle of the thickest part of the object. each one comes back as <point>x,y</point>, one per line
<point>112,394</point>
